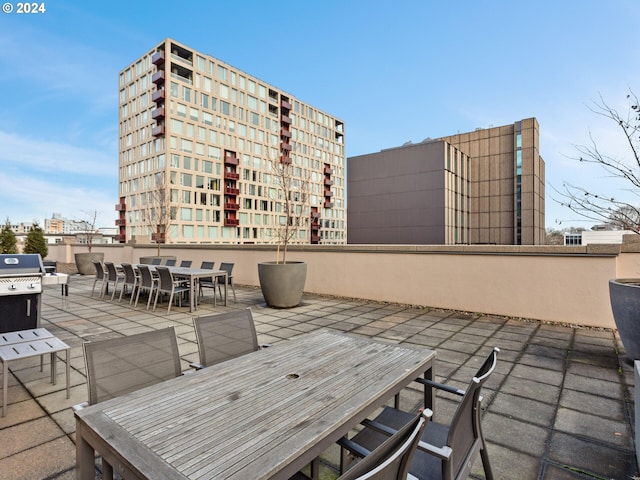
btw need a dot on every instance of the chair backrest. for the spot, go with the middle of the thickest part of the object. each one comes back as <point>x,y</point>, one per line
<point>464,426</point>
<point>116,366</point>
<point>207,265</point>
<point>227,267</point>
<point>391,460</point>
<point>156,261</point>
<point>171,262</point>
<point>99,270</point>
<point>225,335</point>
<point>112,274</point>
<point>185,263</point>
<point>165,279</point>
<point>146,277</point>
<point>129,274</point>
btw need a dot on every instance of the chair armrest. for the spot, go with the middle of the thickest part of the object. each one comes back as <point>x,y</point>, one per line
<point>353,447</point>
<point>443,453</point>
<point>440,386</point>
<point>80,406</point>
<point>378,427</point>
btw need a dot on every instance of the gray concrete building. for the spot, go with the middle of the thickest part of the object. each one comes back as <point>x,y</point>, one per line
<point>480,187</point>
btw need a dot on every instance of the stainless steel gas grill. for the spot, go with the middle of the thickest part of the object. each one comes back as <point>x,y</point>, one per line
<point>20,291</point>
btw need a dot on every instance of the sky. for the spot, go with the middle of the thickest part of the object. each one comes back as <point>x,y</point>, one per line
<point>392,71</point>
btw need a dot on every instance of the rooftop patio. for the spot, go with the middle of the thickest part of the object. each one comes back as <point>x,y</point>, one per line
<point>559,406</point>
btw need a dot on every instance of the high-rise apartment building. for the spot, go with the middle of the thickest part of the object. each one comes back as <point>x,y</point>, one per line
<point>481,187</point>
<point>199,143</point>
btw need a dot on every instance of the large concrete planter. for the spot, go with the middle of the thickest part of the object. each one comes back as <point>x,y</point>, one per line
<point>624,294</point>
<point>84,262</point>
<point>282,284</point>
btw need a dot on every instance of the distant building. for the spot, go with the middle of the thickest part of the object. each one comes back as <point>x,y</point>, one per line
<point>590,237</point>
<point>197,140</point>
<point>481,187</point>
<point>57,224</point>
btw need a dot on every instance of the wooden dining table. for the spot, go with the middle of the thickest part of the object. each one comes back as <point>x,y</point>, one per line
<point>264,415</point>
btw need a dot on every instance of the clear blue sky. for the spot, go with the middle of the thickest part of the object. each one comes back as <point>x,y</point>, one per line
<point>393,71</point>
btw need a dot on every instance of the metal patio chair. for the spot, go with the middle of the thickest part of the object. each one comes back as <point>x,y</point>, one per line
<point>112,276</point>
<point>131,279</point>
<point>166,284</point>
<point>207,282</point>
<point>147,283</point>
<point>117,366</point>
<point>445,451</point>
<point>227,267</point>
<point>224,336</point>
<point>391,460</point>
<point>100,276</point>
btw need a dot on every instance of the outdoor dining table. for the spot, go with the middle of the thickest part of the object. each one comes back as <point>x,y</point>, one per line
<point>193,276</point>
<point>263,415</point>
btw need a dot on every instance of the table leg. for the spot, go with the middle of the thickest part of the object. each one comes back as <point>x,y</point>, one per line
<point>53,367</point>
<point>85,463</point>
<point>68,372</point>
<point>429,397</point>
<point>5,386</point>
<point>226,283</point>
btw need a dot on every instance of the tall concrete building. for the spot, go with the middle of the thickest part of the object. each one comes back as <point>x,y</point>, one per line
<point>481,187</point>
<point>199,143</point>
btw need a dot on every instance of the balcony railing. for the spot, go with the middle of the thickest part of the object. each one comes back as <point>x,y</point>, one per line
<point>328,204</point>
<point>231,206</point>
<point>231,191</point>
<point>121,222</point>
<point>328,170</point>
<point>230,160</point>
<point>285,120</point>
<point>158,131</point>
<point>285,104</point>
<point>158,58</point>
<point>157,113</point>
<point>231,222</point>
<point>158,96</point>
<point>158,77</point>
<point>231,176</point>
<point>121,207</point>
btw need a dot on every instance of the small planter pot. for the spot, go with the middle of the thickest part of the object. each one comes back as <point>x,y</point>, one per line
<point>282,284</point>
<point>624,294</point>
<point>84,262</point>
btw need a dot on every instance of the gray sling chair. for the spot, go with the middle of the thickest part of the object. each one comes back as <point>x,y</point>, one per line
<point>391,459</point>
<point>147,283</point>
<point>445,451</point>
<point>100,277</point>
<point>117,366</point>
<point>112,276</point>
<point>130,280</point>
<point>166,284</point>
<point>224,336</point>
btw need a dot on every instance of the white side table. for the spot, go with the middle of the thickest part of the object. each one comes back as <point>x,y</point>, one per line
<point>26,344</point>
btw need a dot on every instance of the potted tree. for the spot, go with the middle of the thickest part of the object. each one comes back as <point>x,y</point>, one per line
<point>84,260</point>
<point>159,215</point>
<point>624,294</point>
<point>282,281</point>
<point>8,240</point>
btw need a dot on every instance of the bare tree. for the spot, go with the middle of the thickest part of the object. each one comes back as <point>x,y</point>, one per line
<point>292,193</point>
<point>159,213</point>
<point>605,208</point>
<point>89,224</point>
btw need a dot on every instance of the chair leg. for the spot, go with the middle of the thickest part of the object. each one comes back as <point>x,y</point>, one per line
<point>485,462</point>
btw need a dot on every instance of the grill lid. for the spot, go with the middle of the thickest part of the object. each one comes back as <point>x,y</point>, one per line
<point>15,264</point>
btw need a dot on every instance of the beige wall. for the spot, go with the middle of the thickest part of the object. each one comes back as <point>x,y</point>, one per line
<point>557,284</point>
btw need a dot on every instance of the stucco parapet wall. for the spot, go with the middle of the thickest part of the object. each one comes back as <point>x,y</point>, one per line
<point>546,250</point>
